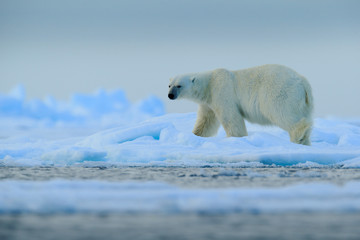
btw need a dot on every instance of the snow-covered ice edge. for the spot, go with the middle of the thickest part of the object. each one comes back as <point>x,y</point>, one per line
<point>106,129</point>
<point>168,141</point>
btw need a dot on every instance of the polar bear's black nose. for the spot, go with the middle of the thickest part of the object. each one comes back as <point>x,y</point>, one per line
<point>171,96</point>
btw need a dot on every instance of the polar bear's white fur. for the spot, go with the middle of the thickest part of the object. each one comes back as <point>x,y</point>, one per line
<point>267,95</point>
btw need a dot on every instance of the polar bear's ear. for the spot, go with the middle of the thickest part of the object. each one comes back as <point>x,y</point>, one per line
<point>192,79</point>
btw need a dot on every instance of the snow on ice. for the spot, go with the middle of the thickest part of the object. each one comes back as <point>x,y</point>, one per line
<point>106,129</point>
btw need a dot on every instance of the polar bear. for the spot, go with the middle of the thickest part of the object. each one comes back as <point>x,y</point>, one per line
<point>268,95</point>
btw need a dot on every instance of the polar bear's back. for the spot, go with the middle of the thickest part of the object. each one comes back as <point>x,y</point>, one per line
<point>269,91</point>
<point>267,74</point>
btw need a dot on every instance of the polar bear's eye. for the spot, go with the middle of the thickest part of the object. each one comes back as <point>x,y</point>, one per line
<point>169,86</point>
<point>178,86</point>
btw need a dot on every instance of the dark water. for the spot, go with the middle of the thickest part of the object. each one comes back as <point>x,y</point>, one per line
<point>153,227</point>
<point>320,225</point>
<point>188,177</point>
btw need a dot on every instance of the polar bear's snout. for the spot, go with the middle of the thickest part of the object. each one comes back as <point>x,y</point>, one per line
<point>173,94</point>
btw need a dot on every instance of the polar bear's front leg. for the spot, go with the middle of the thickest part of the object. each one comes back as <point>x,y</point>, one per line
<point>206,124</point>
<point>232,121</point>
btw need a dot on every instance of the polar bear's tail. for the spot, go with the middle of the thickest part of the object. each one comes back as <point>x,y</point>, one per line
<point>300,133</point>
<point>309,101</point>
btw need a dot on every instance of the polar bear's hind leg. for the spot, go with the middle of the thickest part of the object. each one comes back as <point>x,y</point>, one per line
<point>300,133</point>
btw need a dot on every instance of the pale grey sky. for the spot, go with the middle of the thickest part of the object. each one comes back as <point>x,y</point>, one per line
<point>61,47</point>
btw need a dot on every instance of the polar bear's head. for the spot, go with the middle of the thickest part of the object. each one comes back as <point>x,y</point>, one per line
<point>193,86</point>
<point>181,86</point>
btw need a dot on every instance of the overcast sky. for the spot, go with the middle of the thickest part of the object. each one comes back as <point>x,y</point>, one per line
<point>61,47</point>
